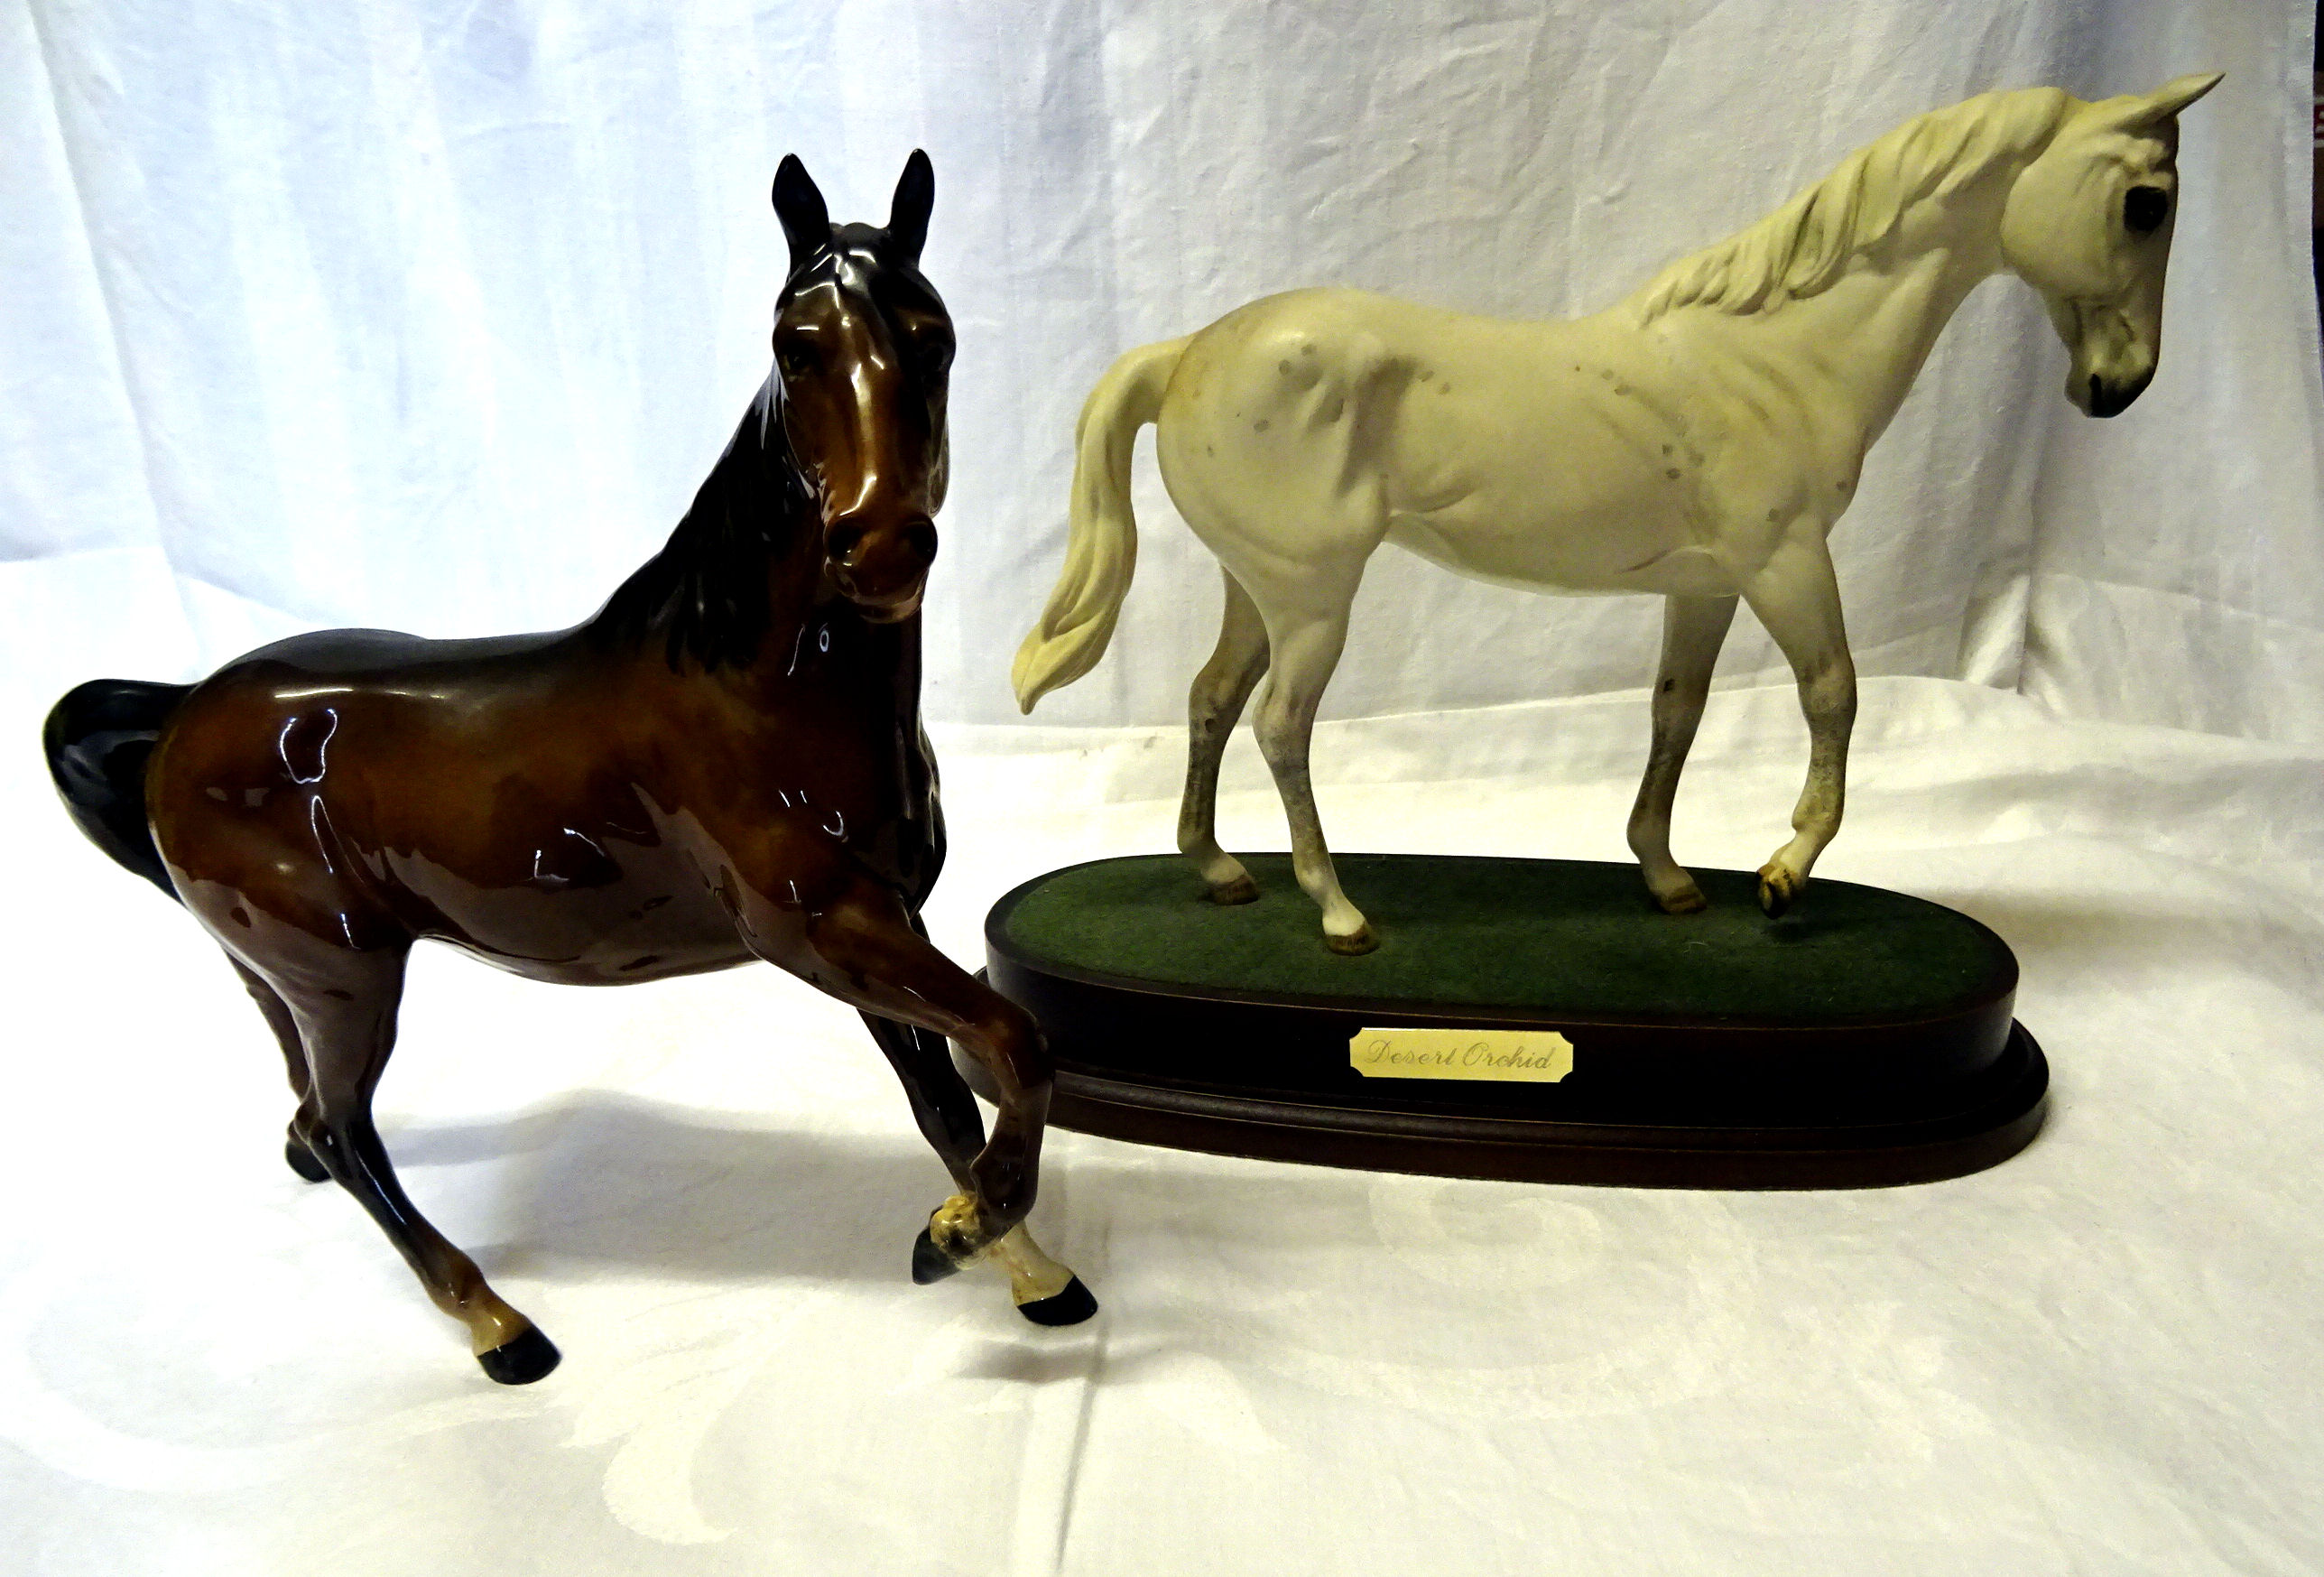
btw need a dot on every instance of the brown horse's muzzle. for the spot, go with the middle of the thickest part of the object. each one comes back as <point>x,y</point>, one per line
<point>882,568</point>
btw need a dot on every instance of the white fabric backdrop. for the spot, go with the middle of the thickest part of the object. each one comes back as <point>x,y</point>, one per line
<point>432,316</point>
<point>2098,1358</point>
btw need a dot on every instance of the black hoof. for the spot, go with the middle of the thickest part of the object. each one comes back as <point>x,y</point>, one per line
<point>1070,1307</point>
<point>930,1263</point>
<point>302,1161</point>
<point>522,1361</point>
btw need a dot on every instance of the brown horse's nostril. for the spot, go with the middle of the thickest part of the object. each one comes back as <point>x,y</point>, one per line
<point>842,540</point>
<point>920,538</point>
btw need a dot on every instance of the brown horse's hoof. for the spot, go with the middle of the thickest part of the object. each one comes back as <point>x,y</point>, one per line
<point>930,1263</point>
<point>302,1161</point>
<point>1070,1307</point>
<point>522,1361</point>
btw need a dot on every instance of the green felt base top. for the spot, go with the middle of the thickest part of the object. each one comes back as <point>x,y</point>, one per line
<point>1579,937</point>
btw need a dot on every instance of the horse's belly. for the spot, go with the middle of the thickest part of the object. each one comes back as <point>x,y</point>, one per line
<point>1575,555</point>
<point>611,961</point>
<point>1688,572</point>
<point>1555,489</point>
<point>584,911</point>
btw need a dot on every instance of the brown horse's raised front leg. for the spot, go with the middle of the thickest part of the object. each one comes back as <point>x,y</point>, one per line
<point>859,940</point>
<point>1046,1292</point>
<point>941,1103</point>
<point>341,1004</point>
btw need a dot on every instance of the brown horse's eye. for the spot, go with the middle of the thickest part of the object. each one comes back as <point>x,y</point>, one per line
<point>2144,208</point>
<point>795,361</point>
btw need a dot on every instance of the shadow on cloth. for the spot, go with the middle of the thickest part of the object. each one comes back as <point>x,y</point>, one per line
<point>667,1190</point>
<point>2055,938</point>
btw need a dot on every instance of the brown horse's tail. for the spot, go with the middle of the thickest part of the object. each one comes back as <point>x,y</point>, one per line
<point>1101,548</point>
<point>98,739</point>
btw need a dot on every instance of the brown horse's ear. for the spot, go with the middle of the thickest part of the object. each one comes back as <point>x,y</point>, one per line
<point>915,196</point>
<point>806,222</point>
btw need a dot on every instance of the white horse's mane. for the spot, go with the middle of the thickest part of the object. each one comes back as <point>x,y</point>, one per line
<point>1804,246</point>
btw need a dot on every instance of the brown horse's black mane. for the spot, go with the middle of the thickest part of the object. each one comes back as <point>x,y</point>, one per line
<point>705,592</point>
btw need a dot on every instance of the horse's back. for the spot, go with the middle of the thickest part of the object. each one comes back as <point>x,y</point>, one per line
<point>1328,342</point>
<point>548,804</point>
<point>357,654</point>
<point>1273,413</point>
<point>1313,425</point>
<point>375,676</point>
<point>312,747</point>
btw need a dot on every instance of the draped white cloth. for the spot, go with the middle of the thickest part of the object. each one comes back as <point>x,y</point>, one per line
<point>431,315</point>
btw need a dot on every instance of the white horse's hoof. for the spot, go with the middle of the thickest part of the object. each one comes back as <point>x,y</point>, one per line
<point>1779,888</point>
<point>1685,899</point>
<point>1238,888</point>
<point>1360,941</point>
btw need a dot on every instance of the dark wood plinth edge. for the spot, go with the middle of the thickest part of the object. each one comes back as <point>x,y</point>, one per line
<point>1523,1150</point>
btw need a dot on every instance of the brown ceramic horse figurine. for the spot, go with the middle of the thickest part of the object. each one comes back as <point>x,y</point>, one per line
<point>725,763</point>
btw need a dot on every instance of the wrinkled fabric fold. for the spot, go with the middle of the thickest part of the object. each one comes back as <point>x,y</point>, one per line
<point>431,319</point>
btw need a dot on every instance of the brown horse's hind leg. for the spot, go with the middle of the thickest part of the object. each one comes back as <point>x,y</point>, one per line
<point>342,1004</point>
<point>277,1013</point>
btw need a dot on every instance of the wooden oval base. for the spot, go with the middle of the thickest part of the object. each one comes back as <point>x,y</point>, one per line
<point>1863,1040</point>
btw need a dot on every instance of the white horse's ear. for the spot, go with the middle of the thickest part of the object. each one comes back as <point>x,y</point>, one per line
<point>2153,109</point>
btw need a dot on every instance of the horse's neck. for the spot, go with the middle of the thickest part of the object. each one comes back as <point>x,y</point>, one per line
<point>1864,341</point>
<point>757,480</point>
<point>808,625</point>
<point>1851,351</point>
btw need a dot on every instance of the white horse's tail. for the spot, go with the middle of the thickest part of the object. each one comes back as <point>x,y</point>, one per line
<point>1101,549</point>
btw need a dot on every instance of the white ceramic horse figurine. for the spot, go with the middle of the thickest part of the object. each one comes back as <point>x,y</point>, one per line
<point>1698,439</point>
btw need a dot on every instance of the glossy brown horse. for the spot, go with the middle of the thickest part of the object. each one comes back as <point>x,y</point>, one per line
<point>725,763</point>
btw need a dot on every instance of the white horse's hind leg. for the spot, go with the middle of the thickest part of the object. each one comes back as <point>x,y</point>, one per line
<point>1306,646</point>
<point>1693,629</point>
<point>1798,599</point>
<point>1212,706</point>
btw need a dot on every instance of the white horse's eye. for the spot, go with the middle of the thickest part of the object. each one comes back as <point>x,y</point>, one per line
<point>2144,208</point>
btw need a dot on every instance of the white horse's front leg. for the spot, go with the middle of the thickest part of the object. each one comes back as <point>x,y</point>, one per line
<point>1798,598</point>
<point>1305,650</point>
<point>1212,706</point>
<point>1693,629</point>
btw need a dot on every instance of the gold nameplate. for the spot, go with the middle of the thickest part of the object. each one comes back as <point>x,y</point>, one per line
<point>1523,1056</point>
